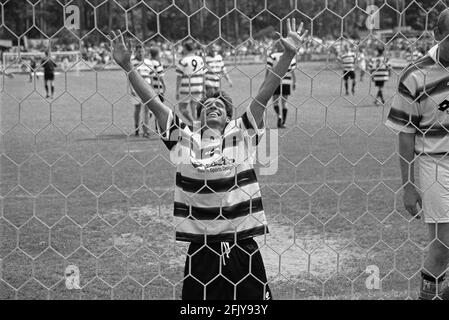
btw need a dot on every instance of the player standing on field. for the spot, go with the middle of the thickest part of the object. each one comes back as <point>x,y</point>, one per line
<point>348,60</point>
<point>189,82</point>
<point>32,69</point>
<point>420,113</point>
<point>215,70</point>
<point>288,84</point>
<point>49,74</point>
<point>145,72</point>
<point>218,206</point>
<point>362,63</point>
<point>380,73</point>
<point>152,71</point>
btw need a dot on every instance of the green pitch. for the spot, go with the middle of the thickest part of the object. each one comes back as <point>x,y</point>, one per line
<point>78,188</point>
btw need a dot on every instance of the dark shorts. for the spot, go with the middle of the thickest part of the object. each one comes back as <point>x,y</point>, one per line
<point>379,84</point>
<point>284,90</point>
<point>49,76</point>
<point>349,75</point>
<point>203,264</point>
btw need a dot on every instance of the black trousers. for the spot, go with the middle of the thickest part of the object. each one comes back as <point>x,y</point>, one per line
<point>211,273</point>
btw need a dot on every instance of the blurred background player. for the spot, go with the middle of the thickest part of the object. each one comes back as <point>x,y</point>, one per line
<point>215,70</point>
<point>362,63</point>
<point>31,68</point>
<point>189,82</point>
<point>157,81</point>
<point>151,71</point>
<point>380,73</point>
<point>287,84</point>
<point>49,74</point>
<point>157,75</point>
<point>348,60</point>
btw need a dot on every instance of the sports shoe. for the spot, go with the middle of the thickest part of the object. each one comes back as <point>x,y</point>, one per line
<point>429,291</point>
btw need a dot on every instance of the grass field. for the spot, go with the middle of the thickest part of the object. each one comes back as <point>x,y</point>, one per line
<point>78,188</point>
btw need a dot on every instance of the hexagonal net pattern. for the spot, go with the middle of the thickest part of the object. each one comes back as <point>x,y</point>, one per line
<point>87,205</point>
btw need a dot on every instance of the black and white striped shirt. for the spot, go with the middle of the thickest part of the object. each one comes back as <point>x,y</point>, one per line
<point>217,195</point>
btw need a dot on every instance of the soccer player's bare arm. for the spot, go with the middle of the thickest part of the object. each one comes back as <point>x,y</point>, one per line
<point>293,41</point>
<point>407,155</point>
<point>122,55</point>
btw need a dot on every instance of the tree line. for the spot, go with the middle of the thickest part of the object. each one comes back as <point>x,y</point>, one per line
<point>176,19</point>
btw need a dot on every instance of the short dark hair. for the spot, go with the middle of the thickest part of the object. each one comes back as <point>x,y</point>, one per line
<point>223,96</point>
<point>188,45</point>
<point>154,52</point>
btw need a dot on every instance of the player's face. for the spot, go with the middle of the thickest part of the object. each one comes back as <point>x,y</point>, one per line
<point>139,53</point>
<point>213,115</point>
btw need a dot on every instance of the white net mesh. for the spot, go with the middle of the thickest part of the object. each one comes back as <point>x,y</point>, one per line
<point>78,189</point>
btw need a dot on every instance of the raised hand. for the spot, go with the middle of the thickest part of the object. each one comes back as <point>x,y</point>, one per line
<point>121,53</point>
<point>295,37</point>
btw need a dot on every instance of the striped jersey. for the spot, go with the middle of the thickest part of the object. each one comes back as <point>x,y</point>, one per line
<point>217,195</point>
<point>215,69</point>
<point>191,71</point>
<point>422,105</point>
<point>273,59</point>
<point>151,71</point>
<point>348,60</point>
<point>380,68</point>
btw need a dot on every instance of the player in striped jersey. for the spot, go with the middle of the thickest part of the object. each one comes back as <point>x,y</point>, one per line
<point>380,73</point>
<point>190,72</point>
<point>215,70</point>
<point>348,59</point>
<point>157,74</point>
<point>288,84</point>
<point>362,60</point>
<point>153,73</point>
<point>218,206</point>
<point>419,112</point>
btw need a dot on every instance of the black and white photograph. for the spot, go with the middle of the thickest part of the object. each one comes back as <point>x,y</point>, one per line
<point>240,151</point>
